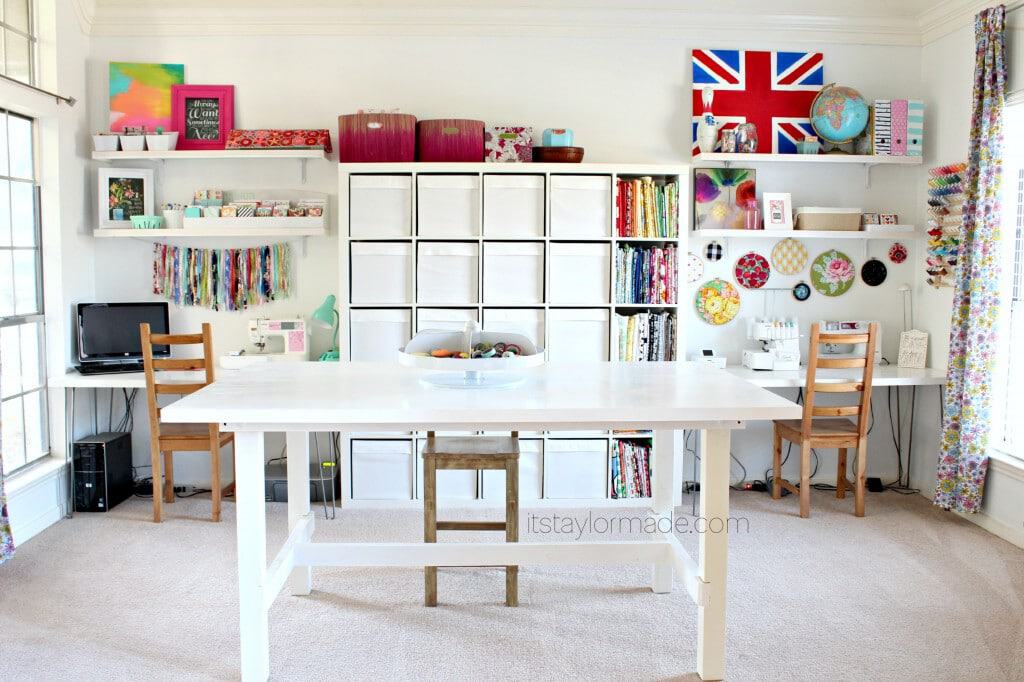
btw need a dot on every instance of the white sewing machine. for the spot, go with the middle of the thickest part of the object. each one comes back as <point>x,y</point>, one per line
<point>849,350</point>
<point>271,340</point>
<point>778,345</point>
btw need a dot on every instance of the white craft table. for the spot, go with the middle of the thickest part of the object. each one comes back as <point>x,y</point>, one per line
<point>301,398</point>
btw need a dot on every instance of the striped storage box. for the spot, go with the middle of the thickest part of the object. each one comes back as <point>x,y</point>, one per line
<point>450,140</point>
<point>376,138</point>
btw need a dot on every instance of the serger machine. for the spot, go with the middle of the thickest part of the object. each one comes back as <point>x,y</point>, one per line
<point>850,350</point>
<point>778,345</point>
<point>271,340</point>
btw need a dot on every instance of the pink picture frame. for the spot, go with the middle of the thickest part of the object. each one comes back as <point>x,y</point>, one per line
<point>203,115</point>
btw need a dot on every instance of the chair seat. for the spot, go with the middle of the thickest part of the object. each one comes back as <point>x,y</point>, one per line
<point>197,432</point>
<point>820,428</point>
<point>487,446</point>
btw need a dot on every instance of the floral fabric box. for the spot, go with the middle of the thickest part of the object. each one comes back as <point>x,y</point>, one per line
<point>279,139</point>
<point>508,144</point>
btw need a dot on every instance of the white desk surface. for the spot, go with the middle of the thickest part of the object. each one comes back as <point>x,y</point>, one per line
<point>75,379</point>
<point>884,375</point>
<point>617,394</point>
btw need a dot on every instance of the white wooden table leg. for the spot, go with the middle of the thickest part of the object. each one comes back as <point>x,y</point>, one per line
<point>714,515</point>
<point>664,476</point>
<point>250,506</point>
<point>297,443</point>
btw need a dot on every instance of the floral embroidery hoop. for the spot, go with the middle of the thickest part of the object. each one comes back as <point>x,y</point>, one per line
<point>789,256</point>
<point>832,273</point>
<point>717,302</point>
<point>694,268</point>
<point>897,253</point>
<point>752,270</point>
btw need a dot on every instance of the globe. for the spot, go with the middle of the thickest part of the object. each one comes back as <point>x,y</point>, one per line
<point>839,114</point>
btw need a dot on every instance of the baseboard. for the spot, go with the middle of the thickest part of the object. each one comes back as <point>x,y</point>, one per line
<point>37,503</point>
<point>25,531</point>
<point>1014,536</point>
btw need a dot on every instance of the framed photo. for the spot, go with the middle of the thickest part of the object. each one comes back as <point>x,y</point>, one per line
<point>123,193</point>
<point>203,115</point>
<point>721,197</point>
<point>778,210</point>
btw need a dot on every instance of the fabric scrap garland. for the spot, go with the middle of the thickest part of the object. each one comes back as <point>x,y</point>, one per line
<point>221,279</point>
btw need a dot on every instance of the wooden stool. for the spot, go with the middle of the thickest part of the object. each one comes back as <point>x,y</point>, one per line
<point>471,454</point>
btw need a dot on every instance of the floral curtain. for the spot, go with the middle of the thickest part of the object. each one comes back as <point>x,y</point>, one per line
<point>966,418</point>
<point>6,538</point>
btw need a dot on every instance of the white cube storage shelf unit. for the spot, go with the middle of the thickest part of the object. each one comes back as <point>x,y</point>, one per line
<point>524,248</point>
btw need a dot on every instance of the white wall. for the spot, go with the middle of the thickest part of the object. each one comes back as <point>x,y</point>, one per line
<point>627,100</point>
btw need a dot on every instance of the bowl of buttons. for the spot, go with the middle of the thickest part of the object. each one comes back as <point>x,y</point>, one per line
<point>472,358</point>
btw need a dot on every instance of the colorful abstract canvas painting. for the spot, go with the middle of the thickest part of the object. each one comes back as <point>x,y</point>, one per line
<point>721,197</point>
<point>140,95</point>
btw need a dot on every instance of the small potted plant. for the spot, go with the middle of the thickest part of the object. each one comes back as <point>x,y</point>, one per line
<point>104,142</point>
<point>133,139</point>
<point>161,141</point>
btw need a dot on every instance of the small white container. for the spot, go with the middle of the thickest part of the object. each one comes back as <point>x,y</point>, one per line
<point>132,143</point>
<point>105,143</point>
<point>173,219</point>
<point>163,142</point>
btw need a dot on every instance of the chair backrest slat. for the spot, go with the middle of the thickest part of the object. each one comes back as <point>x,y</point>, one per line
<point>179,387</point>
<point>862,385</point>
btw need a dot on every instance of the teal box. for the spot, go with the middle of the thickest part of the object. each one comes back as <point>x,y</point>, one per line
<point>557,137</point>
<point>193,211</point>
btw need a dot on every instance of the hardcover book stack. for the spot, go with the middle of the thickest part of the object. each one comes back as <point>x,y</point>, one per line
<point>647,209</point>
<point>631,469</point>
<point>647,336</point>
<point>646,275</point>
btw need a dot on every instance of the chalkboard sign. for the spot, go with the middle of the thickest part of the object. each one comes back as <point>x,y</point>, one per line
<point>202,115</point>
<point>202,118</point>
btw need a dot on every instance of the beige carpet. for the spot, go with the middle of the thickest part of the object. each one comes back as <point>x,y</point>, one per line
<point>908,593</point>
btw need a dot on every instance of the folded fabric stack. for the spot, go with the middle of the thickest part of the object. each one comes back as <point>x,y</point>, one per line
<point>646,275</point>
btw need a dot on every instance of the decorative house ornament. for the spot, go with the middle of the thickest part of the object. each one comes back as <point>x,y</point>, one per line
<point>203,115</point>
<point>772,90</point>
<point>913,349</point>
<point>707,129</point>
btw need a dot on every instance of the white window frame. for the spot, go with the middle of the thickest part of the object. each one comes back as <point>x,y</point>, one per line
<point>33,43</point>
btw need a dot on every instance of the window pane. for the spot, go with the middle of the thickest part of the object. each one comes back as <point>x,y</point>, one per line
<point>5,213</point>
<point>19,131</point>
<point>13,434</point>
<point>31,362</point>
<point>35,426</point>
<point>25,298</point>
<point>16,14</point>
<point>3,143</point>
<point>6,283</point>
<point>17,57</point>
<point>10,362</point>
<point>23,217</point>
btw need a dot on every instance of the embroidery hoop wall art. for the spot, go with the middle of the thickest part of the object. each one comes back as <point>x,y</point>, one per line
<point>717,302</point>
<point>789,256</point>
<point>832,273</point>
<point>752,270</point>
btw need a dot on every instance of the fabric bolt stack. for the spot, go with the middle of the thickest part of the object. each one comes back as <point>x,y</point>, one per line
<point>647,336</point>
<point>646,275</point>
<point>631,469</point>
<point>647,209</point>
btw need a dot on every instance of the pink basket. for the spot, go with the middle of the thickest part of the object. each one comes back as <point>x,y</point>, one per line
<point>450,140</point>
<point>376,138</point>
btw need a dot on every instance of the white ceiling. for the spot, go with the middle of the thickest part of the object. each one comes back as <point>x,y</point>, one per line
<point>889,22</point>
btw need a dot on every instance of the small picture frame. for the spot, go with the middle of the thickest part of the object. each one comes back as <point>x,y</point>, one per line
<point>123,193</point>
<point>203,115</point>
<point>777,210</point>
<point>913,349</point>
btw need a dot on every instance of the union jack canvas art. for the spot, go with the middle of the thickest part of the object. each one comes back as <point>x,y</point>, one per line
<point>772,90</point>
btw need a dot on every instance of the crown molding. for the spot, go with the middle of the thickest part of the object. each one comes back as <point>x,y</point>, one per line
<point>112,18</point>
<point>84,11</point>
<point>949,16</point>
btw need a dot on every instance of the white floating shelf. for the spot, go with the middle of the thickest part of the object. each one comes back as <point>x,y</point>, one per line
<point>213,154</point>
<point>282,228</point>
<point>805,234</point>
<point>862,159</point>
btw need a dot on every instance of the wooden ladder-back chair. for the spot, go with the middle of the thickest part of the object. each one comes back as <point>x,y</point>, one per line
<point>165,439</point>
<point>842,426</point>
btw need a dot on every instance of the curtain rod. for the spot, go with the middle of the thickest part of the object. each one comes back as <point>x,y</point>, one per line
<point>70,101</point>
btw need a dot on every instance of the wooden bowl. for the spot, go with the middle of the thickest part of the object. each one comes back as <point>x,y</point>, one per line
<point>558,154</point>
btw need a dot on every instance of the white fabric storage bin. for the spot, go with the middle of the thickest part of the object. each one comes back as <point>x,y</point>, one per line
<point>382,469</point>
<point>448,205</point>
<point>530,473</point>
<point>378,334</point>
<point>578,335</point>
<point>580,273</point>
<point>514,272</point>
<point>452,484</point>
<point>380,206</point>
<point>526,321</point>
<point>381,272</point>
<point>576,469</point>
<point>451,319</point>
<point>581,206</point>
<point>513,205</point>
<point>447,273</point>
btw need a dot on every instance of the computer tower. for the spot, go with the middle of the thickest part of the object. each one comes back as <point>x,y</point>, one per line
<point>102,471</point>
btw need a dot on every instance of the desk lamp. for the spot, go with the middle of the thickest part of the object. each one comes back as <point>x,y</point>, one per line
<point>326,317</point>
